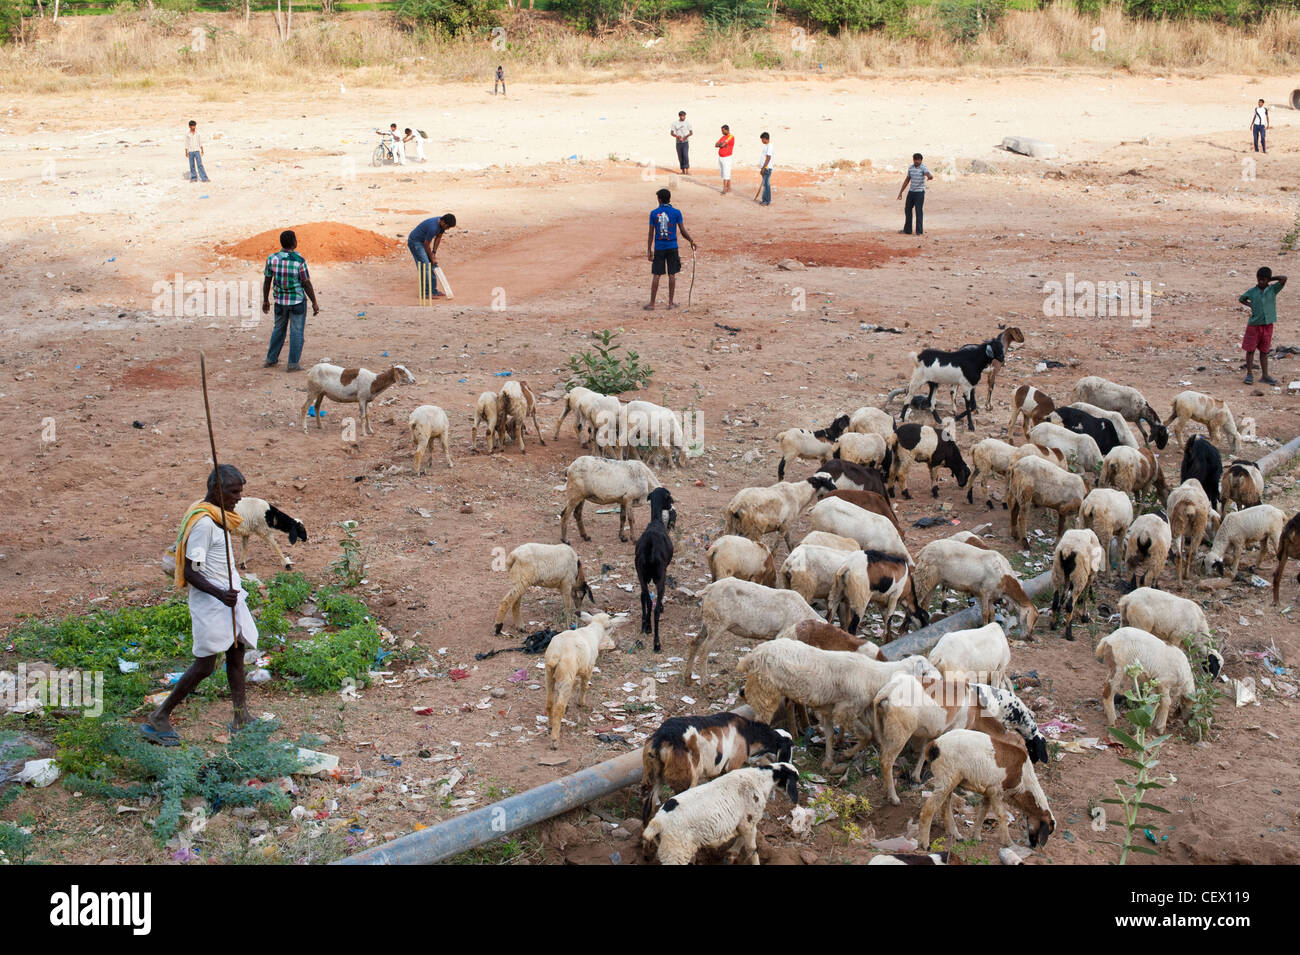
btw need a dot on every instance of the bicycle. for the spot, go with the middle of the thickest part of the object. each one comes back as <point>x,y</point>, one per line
<point>383,155</point>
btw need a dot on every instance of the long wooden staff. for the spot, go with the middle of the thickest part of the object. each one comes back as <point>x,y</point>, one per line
<point>212,443</point>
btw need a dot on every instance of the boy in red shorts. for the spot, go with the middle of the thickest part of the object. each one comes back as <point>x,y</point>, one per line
<point>1262,299</point>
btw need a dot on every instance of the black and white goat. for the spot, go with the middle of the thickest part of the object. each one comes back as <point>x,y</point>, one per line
<point>919,442</point>
<point>260,518</point>
<point>1201,460</point>
<point>654,552</point>
<point>962,369</point>
<point>849,476</point>
<point>1101,430</point>
<point>687,750</point>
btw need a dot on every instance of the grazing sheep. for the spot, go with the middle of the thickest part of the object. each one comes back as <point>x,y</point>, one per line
<point>839,687</point>
<point>801,443</point>
<point>992,457</point>
<point>1288,545</point>
<point>827,539</point>
<point>1076,561</point>
<point>869,420</point>
<point>515,403</point>
<point>258,518</point>
<point>868,577</point>
<point>604,420</point>
<point>554,566</point>
<point>653,426</point>
<point>984,574</point>
<point>871,530</point>
<point>981,655</point>
<point>1122,430</point>
<point>1031,404</point>
<point>1080,448</point>
<point>1159,661</point>
<point>734,556</point>
<point>867,449</point>
<point>725,810</point>
<point>428,422</point>
<point>570,659</point>
<point>1101,430</point>
<point>654,552</point>
<point>1125,400</point>
<point>1146,548</point>
<point>1242,484</point>
<point>826,636</point>
<point>1189,512</point>
<point>1201,461</point>
<point>687,750</point>
<point>756,511</point>
<point>854,477</point>
<point>1035,482</point>
<point>485,413</point>
<point>810,571</point>
<point>1133,470</point>
<point>920,442</point>
<point>1261,524</point>
<point>745,610</point>
<point>589,478</point>
<point>1212,412</point>
<point>995,764</point>
<point>577,401</point>
<point>1172,619</point>
<point>871,501</point>
<point>350,385</point>
<point>1108,513</point>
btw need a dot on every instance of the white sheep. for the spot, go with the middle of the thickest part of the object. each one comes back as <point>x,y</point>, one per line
<point>984,574</point>
<point>801,444</point>
<point>734,556</point>
<point>657,428</point>
<point>1212,412</point>
<point>554,566</point>
<point>838,686</point>
<point>589,478</point>
<point>868,449</point>
<point>1035,482</point>
<point>349,385</point>
<point>756,511</point>
<point>869,420</point>
<point>605,420</point>
<point>577,401</point>
<point>485,413</point>
<point>726,810</point>
<point>1189,512</point>
<point>1261,524</point>
<point>1146,549</point>
<point>872,531</point>
<point>747,611</point>
<point>515,404</point>
<point>570,660</point>
<point>1173,619</point>
<point>981,655</point>
<point>428,422</point>
<point>1080,448</point>
<point>1108,513</point>
<point>810,571</point>
<point>992,458</point>
<point>1132,470</point>
<point>1242,484</point>
<point>1129,402</point>
<point>1160,662</point>
<point>993,762</point>
<point>1076,561</point>
<point>827,539</point>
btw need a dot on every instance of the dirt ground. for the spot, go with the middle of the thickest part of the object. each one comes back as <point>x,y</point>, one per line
<point>97,218</point>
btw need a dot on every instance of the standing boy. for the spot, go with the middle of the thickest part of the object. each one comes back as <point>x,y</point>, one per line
<point>661,247</point>
<point>725,145</point>
<point>205,562</point>
<point>286,273</point>
<point>500,80</point>
<point>1262,299</point>
<point>682,131</point>
<point>423,244</point>
<point>914,183</point>
<point>765,169</point>
<point>1259,124</point>
<point>194,153</point>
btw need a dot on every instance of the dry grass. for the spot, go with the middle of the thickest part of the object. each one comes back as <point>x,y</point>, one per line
<point>139,50</point>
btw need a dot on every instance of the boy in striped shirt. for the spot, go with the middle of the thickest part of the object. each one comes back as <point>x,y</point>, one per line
<point>914,183</point>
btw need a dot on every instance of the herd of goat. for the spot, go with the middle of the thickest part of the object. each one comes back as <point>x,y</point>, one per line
<point>955,705</point>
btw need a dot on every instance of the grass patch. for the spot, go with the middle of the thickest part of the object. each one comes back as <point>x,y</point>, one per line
<point>512,850</point>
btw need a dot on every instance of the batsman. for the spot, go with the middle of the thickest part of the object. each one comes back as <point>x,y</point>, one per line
<point>423,243</point>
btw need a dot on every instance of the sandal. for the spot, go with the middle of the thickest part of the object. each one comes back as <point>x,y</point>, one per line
<point>1269,380</point>
<point>158,737</point>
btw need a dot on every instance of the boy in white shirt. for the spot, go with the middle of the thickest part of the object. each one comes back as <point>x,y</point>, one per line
<point>765,170</point>
<point>1259,124</point>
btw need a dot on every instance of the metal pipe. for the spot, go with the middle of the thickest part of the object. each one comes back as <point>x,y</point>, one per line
<point>473,829</point>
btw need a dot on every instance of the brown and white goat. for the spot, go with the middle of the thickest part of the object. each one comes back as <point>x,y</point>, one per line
<point>1031,404</point>
<point>350,385</point>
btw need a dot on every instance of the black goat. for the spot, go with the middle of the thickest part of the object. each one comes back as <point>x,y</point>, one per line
<point>833,430</point>
<point>962,368</point>
<point>1101,430</point>
<point>1201,460</point>
<point>920,442</point>
<point>654,552</point>
<point>853,477</point>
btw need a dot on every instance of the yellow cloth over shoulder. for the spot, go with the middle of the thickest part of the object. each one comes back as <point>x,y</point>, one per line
<point>197,510</point>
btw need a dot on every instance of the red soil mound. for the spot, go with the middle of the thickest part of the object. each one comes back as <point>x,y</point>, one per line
<point>317,242</point>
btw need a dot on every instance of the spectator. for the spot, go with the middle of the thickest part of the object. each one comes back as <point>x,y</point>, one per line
<point>1262,299</point>
<point>765,169</point>
<point>914,183</point>
<point>661,247</point>
<point>682,131</point>
<point>194,153</point>
<point>1259,124</point>
<point>286,272</point>
<point>725,145</point>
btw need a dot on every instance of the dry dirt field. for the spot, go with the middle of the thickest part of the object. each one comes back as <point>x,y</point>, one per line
<point>96,213</point>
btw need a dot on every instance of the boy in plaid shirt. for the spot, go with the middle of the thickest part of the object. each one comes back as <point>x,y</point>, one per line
<point>286,270</point>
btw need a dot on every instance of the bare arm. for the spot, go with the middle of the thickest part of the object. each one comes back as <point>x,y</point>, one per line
<point>681,226</point>
<point>266,294</point>
<point>650,244</point>
<point>1281,282</point>
<point>197,580</point>
<point>311,294</point>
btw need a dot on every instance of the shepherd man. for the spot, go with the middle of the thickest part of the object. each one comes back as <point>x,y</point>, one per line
<point>205,562</point>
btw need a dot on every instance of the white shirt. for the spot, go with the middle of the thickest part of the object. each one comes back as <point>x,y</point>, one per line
<point>193,142</point>
<point>682,128</point>
<point>206,548</point>
<point>766,153</point>
<point>1261,116</point>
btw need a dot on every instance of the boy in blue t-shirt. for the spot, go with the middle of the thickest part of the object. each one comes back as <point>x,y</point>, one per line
<point>661,247</point>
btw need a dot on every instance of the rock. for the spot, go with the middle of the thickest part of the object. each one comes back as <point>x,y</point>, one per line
<point>1027,146</point>
<point>632,825</point>
<point>309,622</point>
<point>467,509</point>
<point>790,265</point>
<point>808,856</point>
<point>1056,174</point>
<point>498,693</point>
<point>983,168</point>
<point>750,456</point>
<point>621,833</point>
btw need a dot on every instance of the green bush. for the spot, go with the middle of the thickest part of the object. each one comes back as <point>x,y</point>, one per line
<point>597,16</point>
<point>324,662</point>
<point>963,21</point>
<point>744,14</point>
<point>838,15</point>
<point>604,371</point>
<point>453,17</point>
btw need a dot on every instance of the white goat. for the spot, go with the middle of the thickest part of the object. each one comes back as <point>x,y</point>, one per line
<point>554,566</point>
<point>428,422</point>
<point>349,385</point>
<point>570,660</point>
<point>589,478</point>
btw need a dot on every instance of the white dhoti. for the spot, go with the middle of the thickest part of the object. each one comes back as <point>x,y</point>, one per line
<point>206,548</point>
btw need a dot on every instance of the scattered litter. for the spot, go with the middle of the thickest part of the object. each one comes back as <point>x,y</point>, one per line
<point>127,667</point>
<point>316,764</point>
<point>452,779</point>
<point>897,844</point>
<point>552,761</point>
<point>39,772</point>
<point>1245,692</point>
<point>502,374</point>
<point>260,675</point>
<point>458,674</point>
<point>932,522</point>
<point>801,821</point>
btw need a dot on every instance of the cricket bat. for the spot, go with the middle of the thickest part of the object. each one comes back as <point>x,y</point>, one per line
<point>443,284</point>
